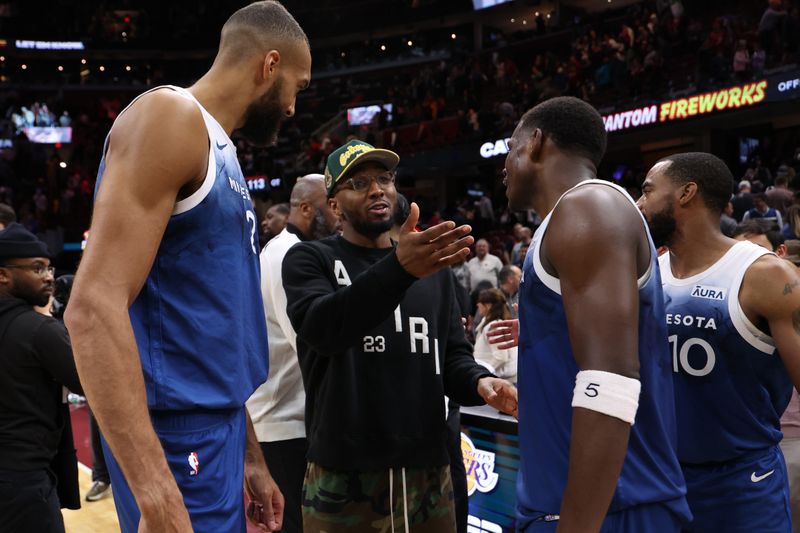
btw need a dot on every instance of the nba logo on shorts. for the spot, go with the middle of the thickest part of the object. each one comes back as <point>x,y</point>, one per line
<point>194,464</point>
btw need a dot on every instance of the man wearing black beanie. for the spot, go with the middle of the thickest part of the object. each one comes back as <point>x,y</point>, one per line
<point>36,364</point>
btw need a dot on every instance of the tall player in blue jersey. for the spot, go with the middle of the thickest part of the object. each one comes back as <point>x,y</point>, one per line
<point>596,414</point>
<point>733,315</point>
<point>166,315</point>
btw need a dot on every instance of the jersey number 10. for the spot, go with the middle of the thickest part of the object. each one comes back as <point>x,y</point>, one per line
<point>680,356</point>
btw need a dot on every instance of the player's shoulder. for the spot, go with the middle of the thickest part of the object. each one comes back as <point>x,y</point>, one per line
<point>770,287</point>
<point>598,196</point>
<point>769,270</point>
<point>164,100</point>
<point>165,129</point>
<point>596,210</point>
<point>160,113</point>
<point>161,103</point>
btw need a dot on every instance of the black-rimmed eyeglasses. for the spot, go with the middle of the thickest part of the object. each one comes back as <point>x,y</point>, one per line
<point>362,183</point>
<point>39,270</point>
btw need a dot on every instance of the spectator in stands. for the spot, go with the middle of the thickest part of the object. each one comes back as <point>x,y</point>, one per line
<point>502,362</point>
<point>525,236</point>
<point>7,216</point>
<point>743,201</point>
<point>461,272</point>
<point>779,196</point>
<point>484,266</point>
<point>741,61</point>
<point>727,224</point>
<point>38,470</point>
<point>485,212</point>
<point>759,60</point>
<point>791,229</point>
<point>523,251</point>
<point>770,25</point>
<point>274,221</point>
<point>509,279</point>
<point>762,232</point>
<point>762,210</point>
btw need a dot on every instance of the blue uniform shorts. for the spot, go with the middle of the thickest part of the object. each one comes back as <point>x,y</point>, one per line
<point>205,451</point>
<point>748,494</point>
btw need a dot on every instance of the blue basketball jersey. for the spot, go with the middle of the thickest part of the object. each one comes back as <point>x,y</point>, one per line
<point>199,320</point>
<point>730,384</point>
<point>547,369</point>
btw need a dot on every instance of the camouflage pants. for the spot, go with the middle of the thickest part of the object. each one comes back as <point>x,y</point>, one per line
<point>414,500</point>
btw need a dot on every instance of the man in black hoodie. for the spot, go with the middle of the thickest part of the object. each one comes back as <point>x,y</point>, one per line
<point>36,364</point>
<point>380,343</point>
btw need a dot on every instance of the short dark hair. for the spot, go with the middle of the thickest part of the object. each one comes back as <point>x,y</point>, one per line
<point>759,226</point>
<point>266,23</point>
<point>782,180</point>
<point>572,124</point>
<point>762,197</point>
<point>283,208</point>
<point>504,274</point>
<point>7,215</point>
<point>712,176</point>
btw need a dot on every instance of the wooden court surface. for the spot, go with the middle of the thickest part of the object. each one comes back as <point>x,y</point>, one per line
<point>92,517</point>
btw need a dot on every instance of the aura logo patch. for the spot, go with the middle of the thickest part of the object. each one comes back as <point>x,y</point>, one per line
<point>708,292</point>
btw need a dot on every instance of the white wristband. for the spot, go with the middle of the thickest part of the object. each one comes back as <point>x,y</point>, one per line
<point>607,393</point>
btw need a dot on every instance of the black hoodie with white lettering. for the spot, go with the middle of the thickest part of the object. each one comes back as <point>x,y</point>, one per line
<point>378,350</point>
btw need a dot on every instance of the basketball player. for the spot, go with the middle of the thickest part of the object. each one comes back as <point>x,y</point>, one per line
<point>592,322</point>
<point>166,314</point>
<point>380,343</point>
<point>277,407</point>
<point>730,307</point>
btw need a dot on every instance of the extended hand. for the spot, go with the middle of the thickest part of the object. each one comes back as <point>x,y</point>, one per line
<point>265,509</point>
<point>503,333</point>
<point>499,393</point>
<point>427,252</point>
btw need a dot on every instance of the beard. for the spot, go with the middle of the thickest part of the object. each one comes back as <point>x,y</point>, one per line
<point>319,226</point>
<point>263,119</point>
<point>662,226</point>
<point>32,296</point>
<point>372,229</point>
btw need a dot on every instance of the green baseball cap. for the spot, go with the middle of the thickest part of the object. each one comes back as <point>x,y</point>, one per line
<point>347,156</point>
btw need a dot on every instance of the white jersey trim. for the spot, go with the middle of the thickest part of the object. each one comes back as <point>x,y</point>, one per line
<point>737,259</point>
<point>552,282</point>
<point>749,332</point>
<point>723,263</point>
<point>194,199</point>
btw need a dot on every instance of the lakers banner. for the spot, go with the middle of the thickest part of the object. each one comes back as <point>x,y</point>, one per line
<point>490,449</point>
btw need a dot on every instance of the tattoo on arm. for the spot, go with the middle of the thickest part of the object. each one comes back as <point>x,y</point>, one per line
<point>796,321</point>
<point>789,286</point>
